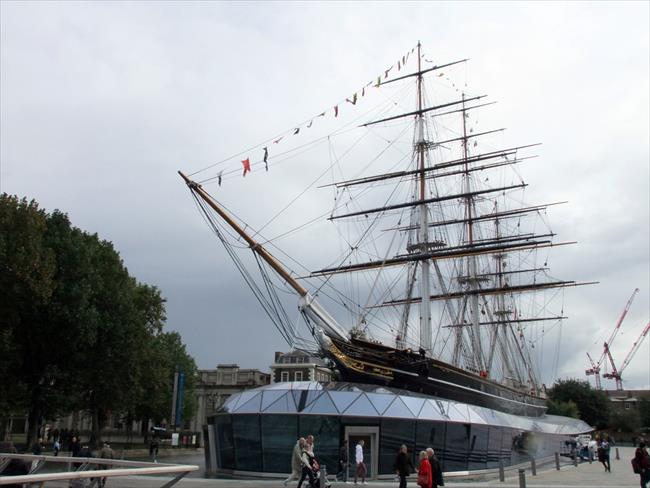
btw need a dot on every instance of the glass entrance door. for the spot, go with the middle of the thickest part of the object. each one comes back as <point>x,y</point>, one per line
<point>370,437</point>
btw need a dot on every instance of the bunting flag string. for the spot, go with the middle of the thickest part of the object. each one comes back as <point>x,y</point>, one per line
<point>353,99</point>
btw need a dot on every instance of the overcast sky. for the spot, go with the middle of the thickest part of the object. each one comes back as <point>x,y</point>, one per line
<point>101,104</point>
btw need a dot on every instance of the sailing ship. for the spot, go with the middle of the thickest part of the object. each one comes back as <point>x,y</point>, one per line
<point>461,265</point>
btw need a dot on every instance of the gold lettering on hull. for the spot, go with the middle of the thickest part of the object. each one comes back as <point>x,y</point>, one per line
<point>361,366</point>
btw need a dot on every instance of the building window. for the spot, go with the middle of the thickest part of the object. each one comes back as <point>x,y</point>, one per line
<point>284,376</point>
<point>627,406</point>
<point>293,359</point>
<point>298,376</point>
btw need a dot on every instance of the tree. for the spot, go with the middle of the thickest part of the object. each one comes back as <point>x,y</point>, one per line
<point>565,409</point>
<point>644,411</point>
<point>77,331</point>
<point>593,405</point>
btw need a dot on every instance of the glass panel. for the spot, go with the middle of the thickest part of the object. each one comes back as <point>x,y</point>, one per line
<point>494,447</point>
<point>430,434</point>
<point>270,397</point>
<point>244,396</point>
<point>380,401</point>
<point>414,404</point>
<point>283,405</point>
<point>248,449</point>
<point>251,406</point>
<point>225,443</point>
<point>393,434</point>
<point>361,407</point>
<point>326,431</point>
<point>322,405</point>
<point>343,399</point>
<point>457,412</point>
<point>456,444</point>
<point>398,409</point>
<point>478,443</point>
<point>279,436</point>
<point>429,411</point>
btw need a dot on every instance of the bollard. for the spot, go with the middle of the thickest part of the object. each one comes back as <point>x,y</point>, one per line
<point>533,467</point>
<point>323,476</point>
<point>617,456</point>
<point>502,474</point>
<point>557,461</point>
<point>575,459</point>
<point>591,457</point>
<point>522,478</point>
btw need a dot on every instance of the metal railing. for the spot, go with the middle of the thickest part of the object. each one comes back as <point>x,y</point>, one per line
<point>85,469</point>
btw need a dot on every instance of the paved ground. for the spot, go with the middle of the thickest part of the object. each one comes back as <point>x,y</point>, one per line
<point>584,475</point>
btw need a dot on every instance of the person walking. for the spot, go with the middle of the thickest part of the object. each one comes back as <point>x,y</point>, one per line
<point>295,461</point>
<point>424,471</point>
<point>360,471</point>
<point>642,460</point>
<point>342,475</point>
<point>306,459</point>
<point>603,455</point>
<point>56,446</point>
<point>436,469</point>
<point>105,453</point>
<point>309,443</point>
<point>403,466</point>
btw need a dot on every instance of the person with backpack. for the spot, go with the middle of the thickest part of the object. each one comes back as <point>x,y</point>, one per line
<point>641,464</point>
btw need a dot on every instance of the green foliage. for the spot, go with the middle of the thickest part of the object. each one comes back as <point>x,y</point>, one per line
<point>565,409</point>
<point>76,330</point>
<point>593,405</point>
<point>624,420</point>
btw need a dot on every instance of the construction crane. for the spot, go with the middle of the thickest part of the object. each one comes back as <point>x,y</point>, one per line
<point>616,374</point>
<point>595,367</point>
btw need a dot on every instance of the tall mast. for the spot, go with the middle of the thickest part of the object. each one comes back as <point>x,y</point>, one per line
<point>475,333</point>
<point>423,235</point>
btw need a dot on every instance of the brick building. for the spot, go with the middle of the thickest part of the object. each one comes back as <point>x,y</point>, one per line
<point>299,366</point>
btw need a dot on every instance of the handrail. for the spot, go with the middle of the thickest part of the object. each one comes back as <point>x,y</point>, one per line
<point>132,468</point>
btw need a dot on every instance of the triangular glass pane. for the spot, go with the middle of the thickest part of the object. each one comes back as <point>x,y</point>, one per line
<point>430,412</point>
<point>398,409</point>
<point>284,405</point>
<point>251,406</point>
<point>413,403</point>
<point>229,403</point>
<point>458,412</point>
<point>271,396</point>
<point>362,407</point>
<point>323,405</point>
<point>474,416</point>
<point>380,401</point>
<point>343,399</point>
<point>244,396</point>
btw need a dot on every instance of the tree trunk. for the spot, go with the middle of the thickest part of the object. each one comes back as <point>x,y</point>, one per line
<point>95,432</point>
<point>34,424</point>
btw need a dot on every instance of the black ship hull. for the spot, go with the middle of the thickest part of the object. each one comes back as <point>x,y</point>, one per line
<point>367,362</point>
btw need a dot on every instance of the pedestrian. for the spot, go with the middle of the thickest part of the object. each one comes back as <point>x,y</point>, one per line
<point>403,466</point>
<point>360,471</point>
<point>295,460</point>
<point>342,475</point>
<point>306,460</point>
<point>75,446</point>
<point>436,469</point>
<point>424,471</point>
<point>105,453</point>
<point>642,462</point>
<point>603,455</point>
<point>153,448</point>
<point>310,444</point>
<point>56,446</point>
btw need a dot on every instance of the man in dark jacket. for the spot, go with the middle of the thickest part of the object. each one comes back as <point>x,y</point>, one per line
<point>403,466</point>
<point>436,469</point>
<point>342,475</point>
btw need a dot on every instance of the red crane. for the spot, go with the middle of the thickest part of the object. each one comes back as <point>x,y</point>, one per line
<point>616,374</point>
<point>595,367</point>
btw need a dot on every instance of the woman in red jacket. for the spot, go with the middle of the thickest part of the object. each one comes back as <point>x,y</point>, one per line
<point>425,480</point>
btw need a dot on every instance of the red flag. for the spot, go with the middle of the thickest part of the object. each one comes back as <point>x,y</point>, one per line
<point>247,166</point>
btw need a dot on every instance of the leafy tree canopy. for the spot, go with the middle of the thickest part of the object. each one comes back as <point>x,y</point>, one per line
<point>593,405</point>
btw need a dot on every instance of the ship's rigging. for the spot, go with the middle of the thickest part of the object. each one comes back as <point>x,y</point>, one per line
<point>435,257</point>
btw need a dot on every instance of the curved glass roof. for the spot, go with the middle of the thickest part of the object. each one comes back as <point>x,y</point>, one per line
<point>360,400</point>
